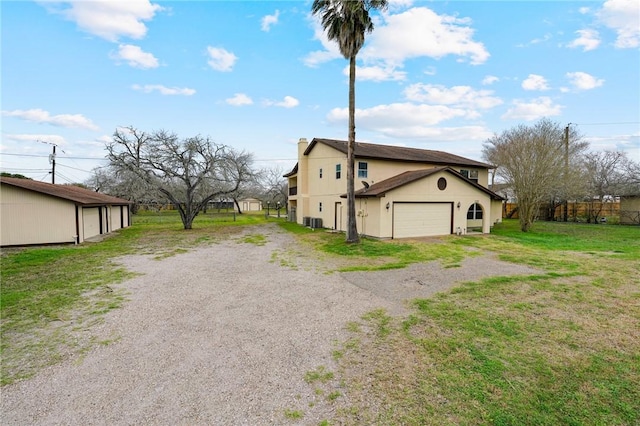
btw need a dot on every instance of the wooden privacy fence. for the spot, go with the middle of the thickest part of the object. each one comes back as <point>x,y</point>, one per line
<point>577,211</point>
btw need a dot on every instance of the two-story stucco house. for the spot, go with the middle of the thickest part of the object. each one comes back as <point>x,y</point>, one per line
<point>400,192</point>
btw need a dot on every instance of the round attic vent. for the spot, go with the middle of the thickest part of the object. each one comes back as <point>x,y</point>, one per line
<point>442,184</point>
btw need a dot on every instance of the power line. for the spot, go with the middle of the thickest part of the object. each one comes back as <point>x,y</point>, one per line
<point>47,156</point>
<point>606,124</point>
<point>74,168</point>
<point>16,169</point>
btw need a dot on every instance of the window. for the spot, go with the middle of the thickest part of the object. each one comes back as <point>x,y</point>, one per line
<point>474,212</point>
<point>362,169</point>
<point>472,175</point>
<point>320,173</point>
<point>338,171</point>
<point>320,207</point>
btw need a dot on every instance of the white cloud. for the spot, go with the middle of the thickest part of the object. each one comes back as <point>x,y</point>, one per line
<point>408,120</point>
<point>622,16</point>
<point>377,73</point>
<point>422,32</point>
<point>533,110</point>
<point>397,115</point>
<point>43,117</point>
<point>399,4</point>
<point>447,134</point>
<point>543,39</point>
<point>269,20</point>
<point>460,96</point>
<point>287,102</point>
<point>417,32</point>
<point>220,59</point>
<point>588,39</point>
<point>109,19</point>
<point>583,81</point>
<point>52,139</point>
<point>489,80</point>
<point>239,99</point>
<point>430,71</point>
<point>330,52</point>
<point>163,90</point>
<point>135,57</point>
<point>535,82</point>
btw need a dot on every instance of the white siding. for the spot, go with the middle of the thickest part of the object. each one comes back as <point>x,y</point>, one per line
<point>27,217</point>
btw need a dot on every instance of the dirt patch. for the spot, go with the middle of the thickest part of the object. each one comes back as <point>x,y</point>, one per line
<point>222,334</point>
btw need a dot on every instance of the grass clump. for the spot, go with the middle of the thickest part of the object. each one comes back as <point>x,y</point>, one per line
<point>293,414</point>
<point>320,374</point>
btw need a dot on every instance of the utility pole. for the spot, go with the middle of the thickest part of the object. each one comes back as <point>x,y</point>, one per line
<point>52,160</point>
<point>566,171</point>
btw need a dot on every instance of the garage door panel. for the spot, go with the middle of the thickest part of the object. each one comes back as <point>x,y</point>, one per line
<point>91,222</point>
<point>421,219</point>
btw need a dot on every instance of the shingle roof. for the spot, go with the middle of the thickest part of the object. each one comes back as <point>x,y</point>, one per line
<point>379,189</point>
<point>398,153</point>
<point>68,192</point>
<point>292,172</point>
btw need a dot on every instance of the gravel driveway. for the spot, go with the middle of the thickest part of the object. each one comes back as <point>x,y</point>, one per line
<point>221,335</point>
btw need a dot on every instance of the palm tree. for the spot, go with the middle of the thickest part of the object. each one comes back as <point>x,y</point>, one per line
<point>347,21</point>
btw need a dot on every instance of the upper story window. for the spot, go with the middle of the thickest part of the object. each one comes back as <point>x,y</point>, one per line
<point>320,173</point>
<point>338,171</point>
<point>362,169</point>
<point>470,174</point>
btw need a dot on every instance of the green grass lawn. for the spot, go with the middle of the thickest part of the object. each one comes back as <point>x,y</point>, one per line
<point>561,346</point>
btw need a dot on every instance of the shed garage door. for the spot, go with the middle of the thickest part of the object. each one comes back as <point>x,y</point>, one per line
<point>421,219</point>
<point>91,222</point>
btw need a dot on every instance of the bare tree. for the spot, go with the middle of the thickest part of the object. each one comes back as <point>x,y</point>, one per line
<point>273,185</point>
<point>531,159</point>
<point>608,174</point>
<point>123,184</point>
<point>188,172</point>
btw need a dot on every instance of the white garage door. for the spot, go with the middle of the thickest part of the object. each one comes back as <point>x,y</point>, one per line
<point>421,219</point>
<point>91,222</point>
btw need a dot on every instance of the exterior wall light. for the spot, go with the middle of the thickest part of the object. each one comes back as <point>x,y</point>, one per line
<point>387,206</point>
<point>458,205</point>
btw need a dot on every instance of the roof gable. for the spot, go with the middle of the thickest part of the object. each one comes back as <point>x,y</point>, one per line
<point>67,192</point>
<point>398,153</point>
<point>379,189</point>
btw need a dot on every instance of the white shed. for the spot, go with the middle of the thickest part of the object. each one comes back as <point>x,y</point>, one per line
<point>34,212</point>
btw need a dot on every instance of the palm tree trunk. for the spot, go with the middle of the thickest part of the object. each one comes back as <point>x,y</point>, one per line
<point>352,229</point>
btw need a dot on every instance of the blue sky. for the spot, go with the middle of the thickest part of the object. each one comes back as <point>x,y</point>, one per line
<point>259,75</point>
